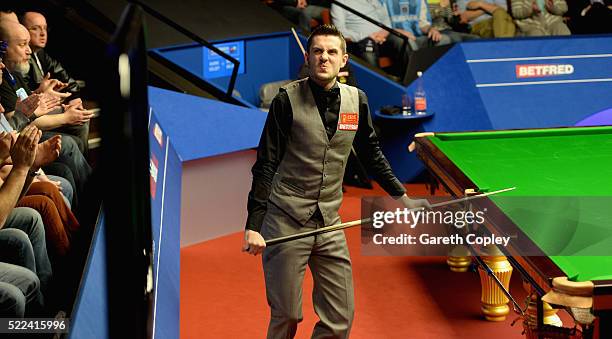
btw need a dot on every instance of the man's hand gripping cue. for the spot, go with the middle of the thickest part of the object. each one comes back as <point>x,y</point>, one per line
<point>414,203</point>
<point>253,243</point>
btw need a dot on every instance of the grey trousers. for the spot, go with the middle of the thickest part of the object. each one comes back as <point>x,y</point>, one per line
<point>19,291</point>
<point>19,286</point>
<point>30,222</point>
<point>284,267</point>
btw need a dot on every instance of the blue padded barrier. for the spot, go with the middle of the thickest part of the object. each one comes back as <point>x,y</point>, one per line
<point>202,128</point>
<point>89,317</point>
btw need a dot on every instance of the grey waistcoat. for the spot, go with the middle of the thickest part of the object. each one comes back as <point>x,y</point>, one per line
<point>311,171</point>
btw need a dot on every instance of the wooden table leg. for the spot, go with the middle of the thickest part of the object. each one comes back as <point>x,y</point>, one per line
<point>494,303</point>
<point>459,259</point>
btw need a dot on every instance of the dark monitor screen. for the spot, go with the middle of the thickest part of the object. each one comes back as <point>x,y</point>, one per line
<point>125,187</point>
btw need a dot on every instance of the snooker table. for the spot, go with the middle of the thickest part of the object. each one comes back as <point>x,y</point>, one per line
<point>570,162</point>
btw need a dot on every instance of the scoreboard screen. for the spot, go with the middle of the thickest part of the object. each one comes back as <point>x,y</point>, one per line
<point>216,66</point>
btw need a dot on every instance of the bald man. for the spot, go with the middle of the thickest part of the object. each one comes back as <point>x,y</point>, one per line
<point>8,15</point>
<point>71,119</point>
<point>14,88</point>
<point>41,62</point>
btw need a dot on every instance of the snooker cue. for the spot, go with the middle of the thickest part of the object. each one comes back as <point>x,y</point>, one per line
<point>317,231</point>
<point>499,283</point>
<point>354,223</point>
<point>298,41</point>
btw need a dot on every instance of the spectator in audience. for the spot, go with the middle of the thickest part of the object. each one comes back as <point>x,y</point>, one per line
<point>19,285</point>
<point>60,224</point>
<point>540,17</point>
<point>487,19</point>
<point>366,39</point>
<point>41,63</point>
<point>65,185</point>
<point>446,22</point>
<point>13,83</point>
<point>23,154</point>
<point>64,178</point>
<point>71,116</point>
<point>8,14</point>
<point>412,19</point>
<point>301,12</point>
<point>589,16</point>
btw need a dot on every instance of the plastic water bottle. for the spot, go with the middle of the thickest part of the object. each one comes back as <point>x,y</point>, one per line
<point>369,46</point>
<point>406,105</point>
<point>420,101</point>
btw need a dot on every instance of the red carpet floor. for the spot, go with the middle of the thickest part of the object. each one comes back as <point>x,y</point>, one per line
<point>223,294</point>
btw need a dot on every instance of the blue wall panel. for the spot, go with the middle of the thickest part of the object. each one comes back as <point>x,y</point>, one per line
<point>89,318</point>
<point>452,95</point>
<point>513,101</point>
<point>380,90</point>
<point>540,46</point>
<point>296,58</point>
<point>165,217</point>
<point>189,57</point>
<point>201,128</point>
<point>267,60</point>
<point>545,106</point>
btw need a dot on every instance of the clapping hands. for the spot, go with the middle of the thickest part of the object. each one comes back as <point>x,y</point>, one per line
<point>5,146</point>
<point>23,151</point>
<point>52,87</point>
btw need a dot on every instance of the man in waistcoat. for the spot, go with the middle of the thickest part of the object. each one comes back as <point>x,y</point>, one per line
<point>297,187</point>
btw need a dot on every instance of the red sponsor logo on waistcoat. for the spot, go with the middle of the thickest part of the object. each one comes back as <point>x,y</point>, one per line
<point>348,121</point>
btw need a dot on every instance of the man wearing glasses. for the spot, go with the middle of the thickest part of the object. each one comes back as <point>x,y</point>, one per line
<point>43,66</point>
<point>42,63</point>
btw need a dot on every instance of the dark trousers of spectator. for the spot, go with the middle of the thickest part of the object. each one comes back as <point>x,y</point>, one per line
<point>71,156</point>
<point>393,47</point>
<point>79,133</point>
<point>19,286</point>
<point>458,36</point>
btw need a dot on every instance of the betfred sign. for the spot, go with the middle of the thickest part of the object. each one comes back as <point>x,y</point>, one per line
<point>538,71</point>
